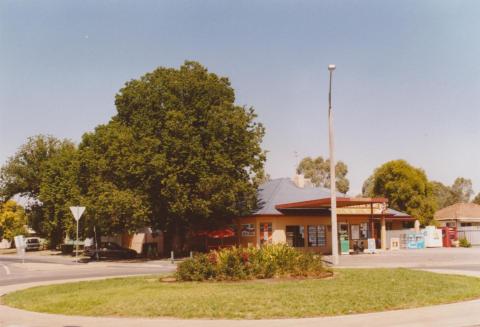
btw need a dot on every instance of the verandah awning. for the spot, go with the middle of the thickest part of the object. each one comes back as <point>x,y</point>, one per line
<point>322,206</point>
<point>325,203</point>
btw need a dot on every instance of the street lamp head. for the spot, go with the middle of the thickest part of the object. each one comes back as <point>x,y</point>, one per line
<point>331,67</point>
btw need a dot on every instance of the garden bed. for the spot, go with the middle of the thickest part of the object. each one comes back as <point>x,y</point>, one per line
<point>237,263</point>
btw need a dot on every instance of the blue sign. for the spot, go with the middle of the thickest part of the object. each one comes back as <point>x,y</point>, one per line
<point>415,241</point>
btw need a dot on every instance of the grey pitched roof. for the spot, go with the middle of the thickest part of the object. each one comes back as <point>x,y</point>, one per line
<point>284,190</point>
<point>397,213</point>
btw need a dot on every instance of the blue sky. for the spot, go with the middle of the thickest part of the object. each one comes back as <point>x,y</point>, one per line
<point>407,83</point>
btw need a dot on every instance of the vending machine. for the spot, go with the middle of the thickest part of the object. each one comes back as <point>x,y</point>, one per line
<point>344,239</point>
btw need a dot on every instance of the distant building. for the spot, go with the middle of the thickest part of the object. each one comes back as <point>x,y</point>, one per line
<point>459,215</point>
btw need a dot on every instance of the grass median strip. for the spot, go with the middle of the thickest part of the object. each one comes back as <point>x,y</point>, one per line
<point>350,291</point>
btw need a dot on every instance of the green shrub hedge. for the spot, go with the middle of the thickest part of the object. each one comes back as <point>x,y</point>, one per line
<point>238,263</point>
<point>464,243</point>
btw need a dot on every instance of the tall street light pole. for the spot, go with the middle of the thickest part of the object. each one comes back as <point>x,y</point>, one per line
<point>333,193</point>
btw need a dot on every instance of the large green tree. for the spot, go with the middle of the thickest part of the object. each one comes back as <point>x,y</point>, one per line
<point>179,149</point>
<point>406,187</point>
<point>462,190</point>
<point>180,155</point>
<point>318,170</point>
<point>33,173</point>
<point>22,173</point>
<point>12,220</point>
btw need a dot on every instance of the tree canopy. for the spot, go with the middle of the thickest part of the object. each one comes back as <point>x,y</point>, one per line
<point>12,220</point>
<point>460,191</point>
<point>406,187</point>
<point>318,171</point>
<point>22,174</point>
<point>179,153</point>
<point>41,172</point>
<point>476,200</point>
<point>113,167</point>
<point>443,194</point>
<point>58,191</point>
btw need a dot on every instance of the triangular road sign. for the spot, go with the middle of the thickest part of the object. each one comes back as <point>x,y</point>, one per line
<point>77,212</point>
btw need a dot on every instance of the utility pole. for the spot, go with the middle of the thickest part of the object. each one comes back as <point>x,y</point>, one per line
<point>333,192</point>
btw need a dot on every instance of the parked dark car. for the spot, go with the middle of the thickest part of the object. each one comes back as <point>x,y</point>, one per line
<point>109,250</point>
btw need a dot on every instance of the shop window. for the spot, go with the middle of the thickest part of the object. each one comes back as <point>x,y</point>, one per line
<point>265,233</point>
<point>389,225</point>
<point>295,236</point>
<point>355,231</point>
<point>248,230</point>
<point>466,224</point>
<point>317,235</point>
<point>408,224</point>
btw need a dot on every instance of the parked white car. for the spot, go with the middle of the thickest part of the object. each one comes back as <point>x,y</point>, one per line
<point>33,243</point>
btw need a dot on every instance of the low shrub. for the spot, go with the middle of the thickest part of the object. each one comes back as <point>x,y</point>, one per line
<point>464,243</point>
<point>237,263</point>
<point>201,267</point>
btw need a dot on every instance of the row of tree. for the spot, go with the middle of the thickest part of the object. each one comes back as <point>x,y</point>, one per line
<point>178,156</point>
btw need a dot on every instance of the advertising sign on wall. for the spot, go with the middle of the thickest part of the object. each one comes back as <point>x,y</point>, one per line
<point>248,230</point>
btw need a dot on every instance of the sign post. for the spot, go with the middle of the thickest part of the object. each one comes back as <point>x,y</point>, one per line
<point>77,213</point>
<point>21,245</point>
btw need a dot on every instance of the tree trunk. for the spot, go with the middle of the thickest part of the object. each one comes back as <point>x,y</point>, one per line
<point>178,239</point>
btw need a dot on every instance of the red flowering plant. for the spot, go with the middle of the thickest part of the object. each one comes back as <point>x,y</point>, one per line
<point>245,256</point>
<point>213,257</point>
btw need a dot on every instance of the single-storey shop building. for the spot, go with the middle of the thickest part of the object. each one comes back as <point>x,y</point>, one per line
<point>296,213</point>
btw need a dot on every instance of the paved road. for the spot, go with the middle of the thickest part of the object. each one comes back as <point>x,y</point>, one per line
<point>40,268</point>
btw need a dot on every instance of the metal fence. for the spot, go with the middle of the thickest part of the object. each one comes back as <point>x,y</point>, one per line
<point>471,233</point>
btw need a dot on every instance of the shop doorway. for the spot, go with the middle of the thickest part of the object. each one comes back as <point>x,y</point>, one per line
<point>295,236</point>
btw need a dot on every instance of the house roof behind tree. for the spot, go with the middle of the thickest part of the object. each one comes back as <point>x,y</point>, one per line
<point>459,211</point>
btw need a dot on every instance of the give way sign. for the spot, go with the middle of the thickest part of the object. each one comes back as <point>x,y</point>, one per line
<point>77,212</point>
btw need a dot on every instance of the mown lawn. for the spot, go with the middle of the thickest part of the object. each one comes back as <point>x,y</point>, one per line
<point>350,291</point>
